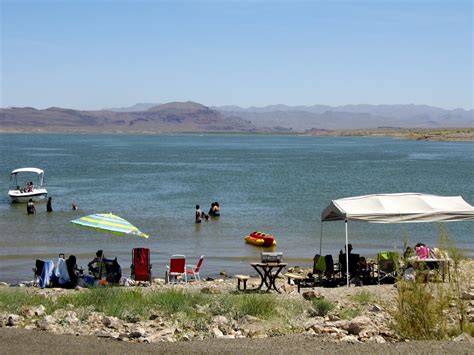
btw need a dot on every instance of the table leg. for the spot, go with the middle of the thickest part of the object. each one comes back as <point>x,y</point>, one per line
<point>274,277</point>
<point>262,277</point>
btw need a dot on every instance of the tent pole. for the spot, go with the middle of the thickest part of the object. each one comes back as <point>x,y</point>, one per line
<point>347,255</point>
<point>321,239</point>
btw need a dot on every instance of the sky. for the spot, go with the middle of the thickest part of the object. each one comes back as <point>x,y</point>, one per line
<point>99,54</point>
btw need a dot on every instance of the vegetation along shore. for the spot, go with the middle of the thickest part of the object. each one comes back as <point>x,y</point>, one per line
<point>214,309</point>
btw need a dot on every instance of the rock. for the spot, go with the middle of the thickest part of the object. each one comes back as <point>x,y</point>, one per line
<point>71,318</point>
<point>133,318</point>
<point>228,336</point>
<point>316,321</point>
<point>350,339</point>
<point>467,295</point>
<point>343,324</point>
<point>43,325</point>
<point>4,284</point>
<point>357,324</point>
<point>333,317</point>
<point>159,281</point>
<point>260,336</point>
<point>137,333</point>
<point>220,320</point>
<point>375,308</point>
<point>247,319</point>
<point>210,290</point>
<point>203,310</point>
<point>311,294</point>
<point>216,333</point>
<point>111,322</point>
<point>377,339</point>
<point>49,319</point>
<point>155,317</point>
<point>223,273</point>
<point>327,330</point>
<point>13,320</point>
<point>317,328</point>
<point>464,337</point>
<point>104,334</point>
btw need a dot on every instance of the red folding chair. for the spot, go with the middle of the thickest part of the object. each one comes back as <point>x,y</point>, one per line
<point>176,268</point>
<point>194,269</point>
<point>141,267</point>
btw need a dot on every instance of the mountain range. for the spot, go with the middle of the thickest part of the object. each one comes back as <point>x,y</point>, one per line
<point>170,117</point>
<point>194,117</point>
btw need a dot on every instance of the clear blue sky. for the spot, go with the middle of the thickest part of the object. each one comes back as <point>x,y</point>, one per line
<point>96,54</point>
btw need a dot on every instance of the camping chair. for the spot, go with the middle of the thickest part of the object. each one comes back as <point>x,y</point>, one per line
<point>388,263</point>
<point>113,271</point>
<point>353,266</point>
<point>141,267</point>
<point>37,271</point>
<point>194,269</point>
<point>177,267</point>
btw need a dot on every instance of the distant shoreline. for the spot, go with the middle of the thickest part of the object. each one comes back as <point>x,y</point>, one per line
<point>426,134</point>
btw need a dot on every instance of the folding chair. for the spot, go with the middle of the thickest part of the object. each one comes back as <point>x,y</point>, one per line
<point>194,269</point>
<point>388,264</point>
<point>176,268</point>
<point>141,267</point>
<point>37,270</point>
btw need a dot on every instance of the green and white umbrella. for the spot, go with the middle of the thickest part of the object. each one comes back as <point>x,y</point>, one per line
<point>108,222</point>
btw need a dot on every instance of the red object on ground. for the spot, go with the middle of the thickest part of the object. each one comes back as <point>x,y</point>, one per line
<point>141,267</point>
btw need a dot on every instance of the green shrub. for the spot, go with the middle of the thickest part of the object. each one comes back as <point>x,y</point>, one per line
<point>363,297</point>
<point>322,306</point>
<point>421,311</point>
<point>350,313</point>
<point>261,306</point>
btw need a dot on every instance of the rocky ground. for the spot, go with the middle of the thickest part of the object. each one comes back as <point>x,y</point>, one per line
<point>360,315</point>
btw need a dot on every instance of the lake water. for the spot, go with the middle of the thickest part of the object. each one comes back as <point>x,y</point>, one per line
<point>275,184</point>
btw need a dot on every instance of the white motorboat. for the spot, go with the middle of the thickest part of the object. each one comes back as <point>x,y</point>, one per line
<point>27,183</point>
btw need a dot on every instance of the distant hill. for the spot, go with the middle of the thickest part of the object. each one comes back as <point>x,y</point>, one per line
<point>172,117</point>
<point>135,108</point>
<point>194,117</point>
<point>301,118</point>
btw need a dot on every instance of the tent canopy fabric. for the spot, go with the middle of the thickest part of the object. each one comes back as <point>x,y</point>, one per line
<point>399,208</point>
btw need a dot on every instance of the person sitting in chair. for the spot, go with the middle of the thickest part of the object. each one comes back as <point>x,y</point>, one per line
<point>96,266</point>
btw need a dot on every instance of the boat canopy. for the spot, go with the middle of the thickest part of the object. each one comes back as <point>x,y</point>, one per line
<point>399,208</point>
<point>28,170</point>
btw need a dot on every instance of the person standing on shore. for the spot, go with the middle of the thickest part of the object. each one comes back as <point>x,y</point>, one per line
<point>49,207</point>
<point>30,207</point>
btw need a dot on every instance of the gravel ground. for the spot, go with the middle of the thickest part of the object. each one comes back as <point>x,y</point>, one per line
<point>21,341</point>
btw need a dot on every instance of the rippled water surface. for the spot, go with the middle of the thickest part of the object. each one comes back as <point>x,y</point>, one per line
<point>276,184</point>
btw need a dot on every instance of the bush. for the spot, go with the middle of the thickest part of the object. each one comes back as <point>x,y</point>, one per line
<point>349,313</point>
<point>423,307</point>
<point>421,311</point>
<point>363,297</point>
<point>322,306</point>
<point>261,306</point>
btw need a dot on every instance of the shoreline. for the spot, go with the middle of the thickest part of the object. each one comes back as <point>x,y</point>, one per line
<point>216,310</point>
<point>463,134</point>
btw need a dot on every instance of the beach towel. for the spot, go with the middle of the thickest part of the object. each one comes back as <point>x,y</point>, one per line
<point>46,273</point>
<point>61,272</point>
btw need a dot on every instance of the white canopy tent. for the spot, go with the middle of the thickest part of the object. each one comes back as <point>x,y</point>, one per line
<point>396,208</point>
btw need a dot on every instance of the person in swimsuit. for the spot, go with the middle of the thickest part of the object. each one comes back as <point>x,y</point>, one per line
<point>30,207</point>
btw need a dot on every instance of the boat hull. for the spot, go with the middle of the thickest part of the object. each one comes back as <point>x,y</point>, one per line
<point>22,197</point>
